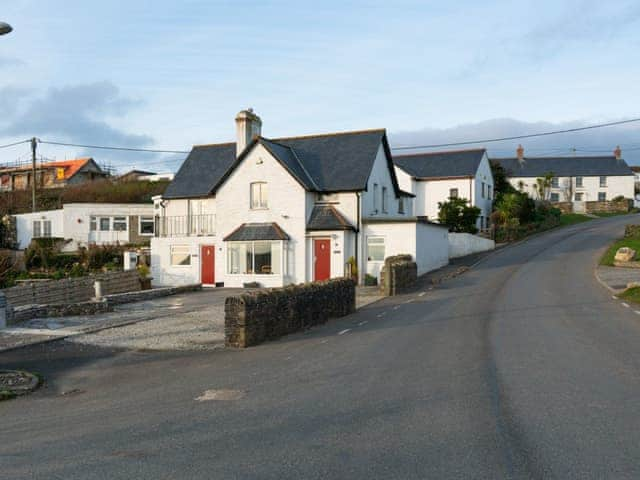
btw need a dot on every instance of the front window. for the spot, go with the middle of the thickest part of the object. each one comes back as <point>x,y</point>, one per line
<point>259,197</point>
<point>375,249</point>
<point>453,193</point>
<point>578,182</point>
<point>180,255</point>
<point>146,226</point>
<point>579,197</point>
<point>46,228</point>
<point>93,224</point>
<point>105,223</point>
<point>37,229</point>
<point>555,197</point>
<point>120,224</point>
<point>384,199</point>
<point>261,258</point>
<point>602,196</point>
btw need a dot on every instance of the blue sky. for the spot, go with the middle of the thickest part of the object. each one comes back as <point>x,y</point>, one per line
<point>171,74</point>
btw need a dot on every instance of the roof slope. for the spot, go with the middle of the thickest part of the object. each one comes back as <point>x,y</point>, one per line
<point>565,166</point>
<point>326,217</point>
<point>71,167</point>
<point>325,163</point>
<point>248,232</point>
<point>459,163</point>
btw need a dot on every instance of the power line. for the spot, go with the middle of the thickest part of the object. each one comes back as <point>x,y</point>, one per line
<point>104,147</point>
<point>14,144</point>
<point>519,137</point>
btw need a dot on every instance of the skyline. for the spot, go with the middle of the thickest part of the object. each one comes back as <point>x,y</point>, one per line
<point>176,75</point>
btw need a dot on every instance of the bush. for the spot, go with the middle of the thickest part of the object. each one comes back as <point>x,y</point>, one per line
<point>458,215</point>
<point>98,256</point>
<point>41,252</point>
<point>370,280</point>
<point>632,231</point>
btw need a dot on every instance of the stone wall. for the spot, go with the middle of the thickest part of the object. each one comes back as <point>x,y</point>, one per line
<point>261,315</point>
<point>608,206</point>
<point>632,231</point>
<point>564,207</point>
<point>71,290</point>
<point>399,273</point>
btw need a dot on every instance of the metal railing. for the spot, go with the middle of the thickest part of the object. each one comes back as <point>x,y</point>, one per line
<point>185,226</point>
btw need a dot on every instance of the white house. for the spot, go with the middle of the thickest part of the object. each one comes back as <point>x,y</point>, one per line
<point>287,210</point>
<point>88,223</point>
<point>438,176</point>
<point>575,179</point>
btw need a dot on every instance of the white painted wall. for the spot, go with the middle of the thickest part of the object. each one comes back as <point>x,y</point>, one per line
<point>427,244</point>
<point>616,186</point>
<point>462,244</point>
<point>381,176</point>
<point>24,225</point>
<point>483,201</point>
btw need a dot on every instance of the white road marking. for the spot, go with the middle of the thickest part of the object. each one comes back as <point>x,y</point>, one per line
<point>396,307</point>
<point>614,297</point>
<point>382,314</point>
<point>637,312</point>
<point>324,341</point>
<point>422,294</point>
<point>409,301</point>
<point>362,323</point>
<point>220,395</point>
<point>344,331</point>
<point>625,305</point>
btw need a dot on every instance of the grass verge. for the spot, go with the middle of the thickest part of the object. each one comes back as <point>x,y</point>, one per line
<point>631,294</point>
<point>573,218</point>
<point>607,258</point>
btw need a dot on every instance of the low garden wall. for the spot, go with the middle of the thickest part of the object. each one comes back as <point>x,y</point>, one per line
<point>621,206</point>
<point>462,244</point>
<point>257,316</point>
<point>399,273</point>
<point>71,290</point>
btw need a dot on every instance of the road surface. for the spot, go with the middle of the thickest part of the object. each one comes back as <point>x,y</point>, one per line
<point>523,367</point>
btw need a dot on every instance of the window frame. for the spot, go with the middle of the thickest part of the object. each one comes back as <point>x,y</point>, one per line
<point>120,221</point>
<point>385,199</point>
<point>451,191</point>
<point>555,182</point>
<point>250,251</point>
<point>378,239</point>
<point>554,197</point>
<point>578,197</point>
<point>375,198</point>
<point>172,253</point>
<point>603,195</point>
<point>603,181</point>
<point>93,223</point>
<point>146,219</point>
<point>262,202</point>
<point>580,182</point>
<point>401,205</point>
<point>36,226</point>
<point>46,228</point>
<point>108,219</point>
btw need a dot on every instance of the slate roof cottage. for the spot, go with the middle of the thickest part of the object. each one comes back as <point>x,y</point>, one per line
<point>287,210</point>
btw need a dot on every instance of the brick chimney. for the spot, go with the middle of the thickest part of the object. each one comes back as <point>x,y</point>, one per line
<point>520,153</point>
<point>618,152</point>
<point>248,127</point>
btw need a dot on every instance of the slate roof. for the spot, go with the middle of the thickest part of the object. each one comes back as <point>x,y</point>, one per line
<point>335,162</point>
<point>326,217</point>
<point>565,166</point>
<point>248,232</point>
<point>459,163</point>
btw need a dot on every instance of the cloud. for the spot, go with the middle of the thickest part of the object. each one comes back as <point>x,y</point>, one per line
<point>76,114</point>
<point>600,141</point>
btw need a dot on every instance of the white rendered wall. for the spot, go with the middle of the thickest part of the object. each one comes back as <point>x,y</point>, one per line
<point>381,175</point>
<point>483,202</point>
<point>461,244</point>
<point>24,225</point>
<point>566,190</point>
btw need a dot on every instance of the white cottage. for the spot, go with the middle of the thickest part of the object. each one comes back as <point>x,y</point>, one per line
<point>438,176</point>
<point>287,210</point>
<point>576,179</point>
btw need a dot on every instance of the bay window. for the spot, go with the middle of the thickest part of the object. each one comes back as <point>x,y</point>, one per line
<point>259,258</point>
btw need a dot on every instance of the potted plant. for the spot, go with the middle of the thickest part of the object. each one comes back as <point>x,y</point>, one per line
<point>145,279</point>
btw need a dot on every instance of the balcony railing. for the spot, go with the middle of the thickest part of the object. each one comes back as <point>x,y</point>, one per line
<point>185,226</point>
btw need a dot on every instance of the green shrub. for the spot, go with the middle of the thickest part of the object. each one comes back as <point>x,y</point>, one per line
<point>41,252</point>
<point>458,215</point>
<point>632,231</point>
<point>370,280</point>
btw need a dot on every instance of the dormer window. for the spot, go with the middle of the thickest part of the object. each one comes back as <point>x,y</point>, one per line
<point>259,197</point>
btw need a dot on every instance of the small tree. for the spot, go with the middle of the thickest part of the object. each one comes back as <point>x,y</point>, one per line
<point>543,186</point>
<point>458,215</point>
<point>501,184</point>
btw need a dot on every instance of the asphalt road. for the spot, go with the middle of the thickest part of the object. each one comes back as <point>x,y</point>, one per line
<point>523,367</point>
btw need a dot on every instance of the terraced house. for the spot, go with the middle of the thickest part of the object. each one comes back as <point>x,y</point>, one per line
<point>287,210</point>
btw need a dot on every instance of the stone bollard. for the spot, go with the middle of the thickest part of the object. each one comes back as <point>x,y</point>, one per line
<point>97,287</point>
<point>3,310</point>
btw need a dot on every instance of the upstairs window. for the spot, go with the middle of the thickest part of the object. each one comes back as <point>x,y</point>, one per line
<point>578,182</point>
<point>555,182</point>
<point>259,197</point>
<point>483,189</point>
<point>603,181</point>
<point>453,193</point>
<point>489,192</point>
<point>375,198</point>
<point>327,197</point>
<point>401,205</point>
<point>385,200</point>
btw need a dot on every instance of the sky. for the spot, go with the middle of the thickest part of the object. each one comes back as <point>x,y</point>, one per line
<point>170,74</point>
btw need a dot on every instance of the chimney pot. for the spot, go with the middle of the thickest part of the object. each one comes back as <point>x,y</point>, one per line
<point>618,152</point>
<point>520,153</point>
<point>248,127</point>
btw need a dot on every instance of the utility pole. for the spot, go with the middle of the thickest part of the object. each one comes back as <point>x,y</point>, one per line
<point>34,146</point>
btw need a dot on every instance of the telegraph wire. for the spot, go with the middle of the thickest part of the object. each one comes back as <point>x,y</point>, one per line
<point>14,144</point>
<point>105,147</point>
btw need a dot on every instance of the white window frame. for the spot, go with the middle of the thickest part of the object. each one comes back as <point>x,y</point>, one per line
<point>555,182</point>
<point>483,189</point>
<point>120,220</point>
<point>375,198</point>
<point>93,223</point>
<point>180,250</point>
<point>250,248</point>
<point>385,200</point>
<point>146,219</point>
<point>100,224</point>
<point>46,228</point>
<point>376,240</point>
<point>579,182</point>
<point>603,181</point>
<point>258,196</point>
<point>37,229</point>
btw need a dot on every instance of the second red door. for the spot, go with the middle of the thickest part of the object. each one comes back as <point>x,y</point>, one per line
<point>208,262</point>
<point>322,263</point>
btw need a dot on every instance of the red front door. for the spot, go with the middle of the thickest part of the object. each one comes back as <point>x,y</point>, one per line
<point>322,263</point>
<point>208,262</point>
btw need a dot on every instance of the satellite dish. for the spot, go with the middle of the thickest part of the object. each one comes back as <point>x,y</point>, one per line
<point>5,28</point>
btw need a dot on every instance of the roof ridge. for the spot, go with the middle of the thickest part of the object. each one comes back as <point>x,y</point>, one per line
<point>212,144</point>
<point>332,134</point>
<point>293,152</point>
<point>440,152</point>
<point>562,157</point>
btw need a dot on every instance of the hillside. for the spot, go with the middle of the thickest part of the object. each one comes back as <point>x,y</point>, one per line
<point>103,191</point>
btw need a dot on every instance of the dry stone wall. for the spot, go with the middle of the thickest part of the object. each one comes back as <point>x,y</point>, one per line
<point>399,273</point>
<point>255,317</point>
